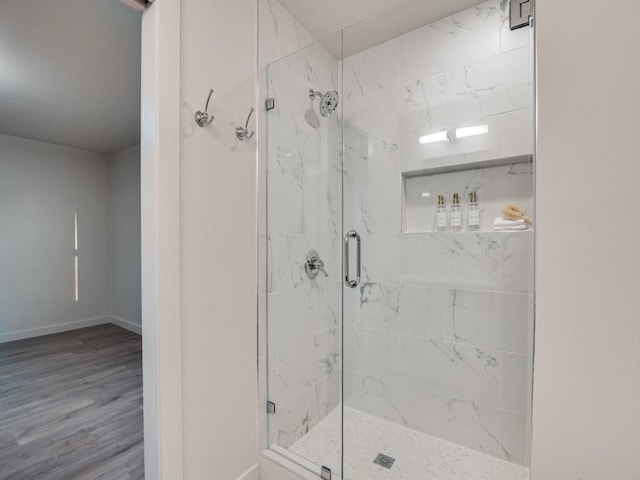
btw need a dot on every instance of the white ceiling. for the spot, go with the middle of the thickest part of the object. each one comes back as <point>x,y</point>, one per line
<point>371,22</point>
<point>70,72</point>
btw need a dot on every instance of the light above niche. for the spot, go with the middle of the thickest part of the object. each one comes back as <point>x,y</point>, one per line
<point>472,131</point>
<point>442,136</point>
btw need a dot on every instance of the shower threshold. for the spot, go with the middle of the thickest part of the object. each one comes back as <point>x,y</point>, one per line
<point>417,456</point>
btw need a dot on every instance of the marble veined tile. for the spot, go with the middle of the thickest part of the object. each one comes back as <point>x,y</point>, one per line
<point>489,86</point>
<point>322,305</point>
<point>285,197</point>
<point>495,432</point>
<point>516,383</point>
<point>381,254</point>
<point>455,370</point>
<point>500,432</point>
<point>292,421</point>
<point>324,397</point>
<point>418,456</point>
<point>492,319</point>
<point>280,33</point>
<point>418,311</point>
<point>371,352</point>
<point>380,306</point>
<point>292,35</point>
<point>299,366</point>
<point>363,74</point>
<point>356,153</point>
<point>506,77</point>
<point>286,257</point>
<point>382,166</point>
<point>461,38</point>
<point>388,399</point>
<point>287,316</point>
<point>268,28</point>
<point>378,114</point>
<point>380,210</point>
<point>322,212</point>
<point>490,261</point>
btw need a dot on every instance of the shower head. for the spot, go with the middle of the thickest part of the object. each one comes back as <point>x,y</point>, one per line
<point>328,101</point>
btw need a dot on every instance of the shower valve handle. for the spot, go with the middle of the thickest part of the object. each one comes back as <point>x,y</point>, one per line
<point>314,265</point>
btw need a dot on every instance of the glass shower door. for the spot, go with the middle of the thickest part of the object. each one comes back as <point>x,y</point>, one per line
<point>438,331</point>
<point>302,302</point>
<point>417,365</point>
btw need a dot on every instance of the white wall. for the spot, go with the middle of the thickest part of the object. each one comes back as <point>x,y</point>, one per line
<point>218,219</point>
<point>125,237</point>
<point>40,184</point>
<point>586,421</point>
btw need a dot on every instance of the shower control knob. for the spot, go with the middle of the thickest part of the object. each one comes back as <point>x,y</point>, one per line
<point>314,265</point>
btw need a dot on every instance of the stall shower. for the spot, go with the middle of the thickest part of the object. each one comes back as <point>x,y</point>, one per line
<point>396,252</point>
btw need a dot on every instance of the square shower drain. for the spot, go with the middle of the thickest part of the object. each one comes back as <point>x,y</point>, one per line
<point>384,460</point>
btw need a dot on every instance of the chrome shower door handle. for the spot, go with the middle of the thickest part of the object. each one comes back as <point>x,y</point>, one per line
<point>347,243</point>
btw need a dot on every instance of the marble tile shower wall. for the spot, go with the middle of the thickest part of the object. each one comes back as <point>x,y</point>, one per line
<point>438,337</point>
<point>302,185</point>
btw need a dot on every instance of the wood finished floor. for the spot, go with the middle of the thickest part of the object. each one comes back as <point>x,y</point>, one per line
<point>71,406</point>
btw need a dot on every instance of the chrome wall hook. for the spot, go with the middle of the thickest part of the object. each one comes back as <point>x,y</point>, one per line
<point>204,118</point>
<point>243,133</point>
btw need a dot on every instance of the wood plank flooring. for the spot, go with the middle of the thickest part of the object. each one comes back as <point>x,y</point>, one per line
<point>71,406</point>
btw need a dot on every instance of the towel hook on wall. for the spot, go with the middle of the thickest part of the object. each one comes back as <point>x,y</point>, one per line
<point>243,133</point>
<point>204,118</point>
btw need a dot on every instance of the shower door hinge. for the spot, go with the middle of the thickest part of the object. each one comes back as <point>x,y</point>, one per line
<point>325,473</point>
<point>270,103</point>
<point>521,12</point>
<point>271,408</point>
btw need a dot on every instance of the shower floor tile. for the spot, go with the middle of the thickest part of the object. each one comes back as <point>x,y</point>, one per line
<point>418,456</point>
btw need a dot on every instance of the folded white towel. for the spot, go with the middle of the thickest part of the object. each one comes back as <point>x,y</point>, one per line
<point>502,222</point>
<point>510,229</point>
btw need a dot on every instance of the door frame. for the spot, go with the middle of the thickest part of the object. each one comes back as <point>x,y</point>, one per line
<point>160,245</point>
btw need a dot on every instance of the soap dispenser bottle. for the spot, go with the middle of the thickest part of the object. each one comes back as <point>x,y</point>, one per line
<point>473,212</point>
<point>441,215</point>
<point>456,214</point>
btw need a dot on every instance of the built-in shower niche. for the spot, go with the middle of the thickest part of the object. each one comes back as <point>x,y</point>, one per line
<point>497,182</point>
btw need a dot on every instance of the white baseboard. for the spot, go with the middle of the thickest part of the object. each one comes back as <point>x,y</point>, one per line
<point>127,325</point>
<point>252,474</point>
<point>48,330</point>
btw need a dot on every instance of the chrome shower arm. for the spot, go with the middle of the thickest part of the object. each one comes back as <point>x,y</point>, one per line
<point>313,94</point>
